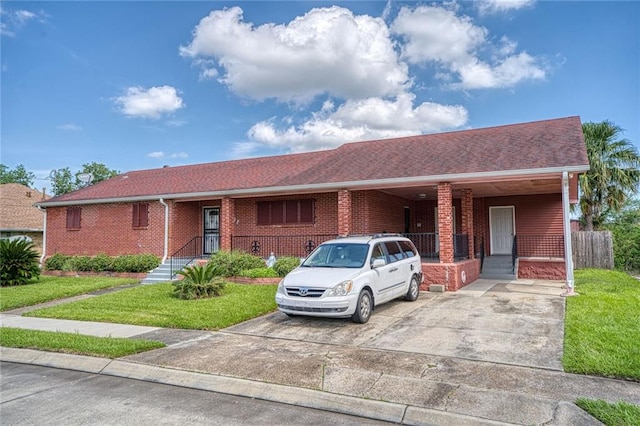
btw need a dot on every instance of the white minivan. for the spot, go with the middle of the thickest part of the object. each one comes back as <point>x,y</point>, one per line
<point>348,277</point>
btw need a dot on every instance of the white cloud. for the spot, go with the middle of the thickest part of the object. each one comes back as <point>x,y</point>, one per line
<point>366,119</point>
<point>151,103</point>
<point>498,6</point>
<point>175,123</point>
<point>328,50</point>
<point>434,34</point>
<point>11,21</point>
<point>156,154</point>
<point>69,127</point>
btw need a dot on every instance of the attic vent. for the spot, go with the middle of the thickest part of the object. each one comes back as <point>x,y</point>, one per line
<point>166,166</point>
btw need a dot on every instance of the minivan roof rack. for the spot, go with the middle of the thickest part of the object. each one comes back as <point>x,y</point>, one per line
<point>373,236</point>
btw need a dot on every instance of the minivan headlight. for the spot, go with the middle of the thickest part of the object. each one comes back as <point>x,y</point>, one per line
<point>341,289</point>
<point>281,287</point>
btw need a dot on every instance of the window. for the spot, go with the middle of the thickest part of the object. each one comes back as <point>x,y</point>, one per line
<point>140,215</point>
<point>73,217</point>
<point>394,251</point>
<point>289,212</point>
<point>408,248</point>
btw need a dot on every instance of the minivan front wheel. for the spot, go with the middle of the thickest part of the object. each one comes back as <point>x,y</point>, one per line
<point>363,308</point>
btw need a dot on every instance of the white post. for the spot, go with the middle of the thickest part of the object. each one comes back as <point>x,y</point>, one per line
<point>166,230</point>
<point>568,257</point>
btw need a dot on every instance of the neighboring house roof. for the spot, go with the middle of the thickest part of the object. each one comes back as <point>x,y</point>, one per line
<point>17,210</point>
<point>549,146</point>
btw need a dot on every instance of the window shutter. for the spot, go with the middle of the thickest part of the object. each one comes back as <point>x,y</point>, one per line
<point>263,213</point>
<point>73,217</point>
<point>136,210</point>
<point>277,213</point>
<point>306,211</point>
<point>144,214</point>
<point>291,214</point>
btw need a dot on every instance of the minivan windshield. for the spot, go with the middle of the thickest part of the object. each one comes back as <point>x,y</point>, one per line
<point>338,255</point>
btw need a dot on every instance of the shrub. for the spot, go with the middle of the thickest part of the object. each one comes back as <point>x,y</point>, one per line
<point>102,263</point>
<point>18,262</point>
<point>200,281</point>
<point>135,263</point>
<point>286,264</point>
<point>626,247</point>
<point>232,263</point>
<point>259,273</point>
<point>79,264</point>
<point>56,262</point>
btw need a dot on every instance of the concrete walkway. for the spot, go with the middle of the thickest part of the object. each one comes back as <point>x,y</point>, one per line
<point>489,354</point>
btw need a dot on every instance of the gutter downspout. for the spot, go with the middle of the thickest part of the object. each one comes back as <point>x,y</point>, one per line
<point>166,230</point>
<point>568,254</point>
<point>44,236</point>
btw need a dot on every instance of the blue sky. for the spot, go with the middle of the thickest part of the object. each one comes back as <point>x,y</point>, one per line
<point>138,85</point>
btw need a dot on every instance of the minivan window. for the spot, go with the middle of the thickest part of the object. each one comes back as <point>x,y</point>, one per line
<point>378,253</point>
<point>407,248</point>
<point>337,256</point>
<point>394,251</point>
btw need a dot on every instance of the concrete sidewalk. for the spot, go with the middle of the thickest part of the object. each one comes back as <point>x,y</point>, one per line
<point>446,359</point>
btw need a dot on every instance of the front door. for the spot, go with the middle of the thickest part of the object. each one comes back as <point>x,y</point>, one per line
<point>211,240</point>
<point>502,229</point>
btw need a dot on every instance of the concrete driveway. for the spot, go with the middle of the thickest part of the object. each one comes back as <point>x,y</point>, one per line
<point>520,323</point>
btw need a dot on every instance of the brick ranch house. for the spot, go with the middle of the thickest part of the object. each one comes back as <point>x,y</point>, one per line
<point>470,200</point>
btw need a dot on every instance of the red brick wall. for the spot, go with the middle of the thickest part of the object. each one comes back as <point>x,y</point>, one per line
<point>445,222</point>
<point>450,274</point>
<point>383,213</point>
<point>185,222</point>
<point>105,229</point>
<point>541,269</point>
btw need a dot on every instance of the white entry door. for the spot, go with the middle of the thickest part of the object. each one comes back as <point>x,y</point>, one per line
<point>502,229</point>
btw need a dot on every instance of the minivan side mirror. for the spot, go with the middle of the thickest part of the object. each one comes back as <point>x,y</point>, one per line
<point>378,263</point>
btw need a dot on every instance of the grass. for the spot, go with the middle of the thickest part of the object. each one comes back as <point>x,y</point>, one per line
<point>155,305</point>
<point>602,325</point>
<point>73,343</point>
<point>49,288</point>
<point>619,414</point>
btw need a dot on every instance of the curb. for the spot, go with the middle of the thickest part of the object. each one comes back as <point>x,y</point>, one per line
<point>308,398</point>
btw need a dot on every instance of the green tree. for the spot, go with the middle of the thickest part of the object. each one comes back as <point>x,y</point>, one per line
<point>98,171</point>
<point>613,176</point>
<point>18,175</point>
<point>61,181</point>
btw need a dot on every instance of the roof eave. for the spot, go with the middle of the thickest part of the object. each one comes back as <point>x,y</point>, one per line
<point>331,186</point>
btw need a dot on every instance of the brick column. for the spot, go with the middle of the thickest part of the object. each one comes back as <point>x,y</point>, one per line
<point>227,223</point>
<point>344,212</point>
<point>467,218</point>
<point>445,222</point>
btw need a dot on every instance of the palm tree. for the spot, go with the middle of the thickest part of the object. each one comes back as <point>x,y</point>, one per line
<point>613,176</point>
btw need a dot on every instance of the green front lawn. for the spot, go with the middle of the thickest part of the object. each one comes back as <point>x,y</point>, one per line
<point>49,288</point>
<point>619,414</point>
<point>602,325</point>
<point>155,305</point>
<point>73,343</point>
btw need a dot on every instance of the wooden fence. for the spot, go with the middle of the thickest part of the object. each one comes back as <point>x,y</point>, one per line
<point>592,249</point>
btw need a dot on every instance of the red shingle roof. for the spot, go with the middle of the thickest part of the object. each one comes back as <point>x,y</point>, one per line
<point>543,145</point>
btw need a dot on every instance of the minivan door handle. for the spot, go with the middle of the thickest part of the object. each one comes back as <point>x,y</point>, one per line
<point>393,269</point>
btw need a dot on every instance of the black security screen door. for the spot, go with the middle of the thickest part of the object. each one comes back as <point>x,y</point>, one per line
<point>211,238</point>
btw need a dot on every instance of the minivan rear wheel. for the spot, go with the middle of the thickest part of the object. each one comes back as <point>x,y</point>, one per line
<point>413,291</point>
<point>363,308</point>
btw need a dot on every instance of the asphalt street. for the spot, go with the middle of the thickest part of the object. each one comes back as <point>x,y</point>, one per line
<point>35,395</point>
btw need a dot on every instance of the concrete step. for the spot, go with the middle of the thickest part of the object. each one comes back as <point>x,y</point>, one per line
<point>497,276</point>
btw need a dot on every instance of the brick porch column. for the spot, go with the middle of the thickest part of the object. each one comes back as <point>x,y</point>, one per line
<point>227,223</point>
<point>467,218</point>
<point>445,222</point>
<point>344,212</point>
